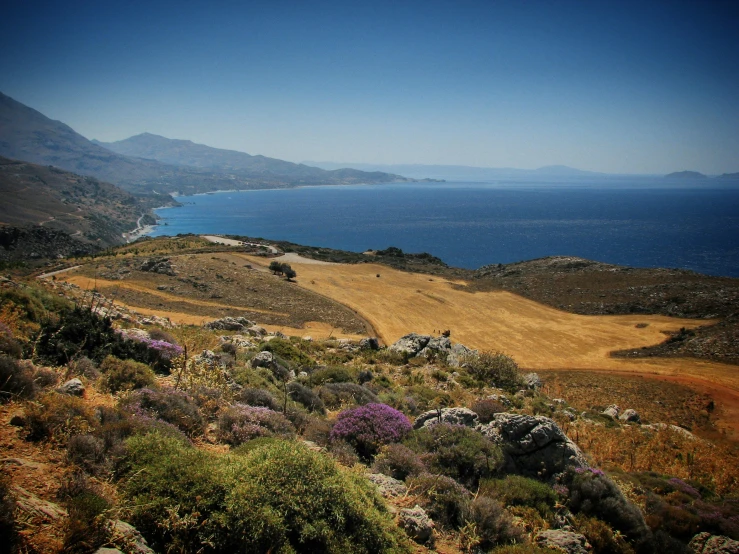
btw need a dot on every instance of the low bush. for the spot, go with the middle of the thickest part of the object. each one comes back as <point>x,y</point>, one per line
<point>457,452</point>
<point>242,423</point>
<point>170,405</point>
<point>85,528</point>
<point>601,537</point>
<point>257,397</point>
<point>87,452</point>
<point>593,494</point>
<point>426,398</point>
<point>124,375</point>
<point>278,497</point>
<point>288,352</point>
<point>8,528</point>
<point>494,369</point>
<point>523,549</point>
<point>330,374</point>
<point>493,524</point>
<point>8,345</point>
<point>369,427</point>
<point>16,381</point>
<point>58,417</point>
<point>515,490</point>
<point>486,408</point>
<point>398,461</point>
<point>446,501</point>
<point>306,397</point>
<point>335,395</point>
<point>365,376</point>
<point>84,367</point>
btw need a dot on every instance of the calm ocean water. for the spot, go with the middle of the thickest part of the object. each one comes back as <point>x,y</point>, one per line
<point>638,222</point>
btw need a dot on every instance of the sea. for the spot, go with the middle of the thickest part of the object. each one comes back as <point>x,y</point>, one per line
<point>634,221</point>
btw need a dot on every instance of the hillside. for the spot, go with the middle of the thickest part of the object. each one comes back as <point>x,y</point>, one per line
<point>188,153</point>
<point>28,135</point>
<point>90,210</point>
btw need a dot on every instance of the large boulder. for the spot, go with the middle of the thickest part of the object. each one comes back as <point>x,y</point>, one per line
<point>705,543</point>
<point>369,343</point>
<point>631,416</point>
<point>128,537</point>
<point>439,346</point>
<point>450,416</point>
<point>416,523</point>
<point>564,541</point>
<point>612,411</point>
<point>533,381</point>
<point>263,359</point>
<point>410,344</point>
<point>458,354</point>
<point>533,445</point>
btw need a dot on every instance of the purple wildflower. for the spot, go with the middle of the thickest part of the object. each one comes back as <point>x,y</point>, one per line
<point>370,426</point>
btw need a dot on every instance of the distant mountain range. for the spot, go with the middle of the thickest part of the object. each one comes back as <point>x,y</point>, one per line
<point>147,163</point>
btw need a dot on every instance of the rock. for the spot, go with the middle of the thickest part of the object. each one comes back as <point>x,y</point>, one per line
<point>533,445</point>
<point>158,265</point>
<point>303,375</point>
<point>451,416</point>
<point>239,341</point>
<point>387,486</point>
<point>458,354</point>
<point>256,331</point>
<point>308,338</point>
<point>559,401</point>
<point>416,523</point>
<point>565,541</point>
<point>369,343</point>
<point>230,324</point>
<point>439,346</point>
<point>34,507</point>
<point>104,550</point>
<point>501,399</point>
<point>410,344</point>
<point>532,381</point>
<point>630,416</point>
<point>612,411</point>
<point>674,428</point>
<point>705,543</point>
<point>263,359</point>
<point>73,387</point>
<point>128,537</point>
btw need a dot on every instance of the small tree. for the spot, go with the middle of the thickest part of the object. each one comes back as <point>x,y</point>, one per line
<point>276,267</point>
<point>289,272</point>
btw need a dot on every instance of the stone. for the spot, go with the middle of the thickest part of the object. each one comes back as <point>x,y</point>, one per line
<point>534,446</point>
<point>388,487</point>
<point>451,416</point>
<point>458,354</point>
<point>263,359</point>
<point>128,537</point>
<point>256,331</point>
<point>417,524</point>
<point>533,381</point>
<point>308,338</point>
<point>439,346</point>
<point>565,541</point>
<point>500,398</point>
<point>705,543</point>
<point>73,387</point>
<point>34,507</point>
<point>158,265</point>
<point>630,415</point>
<point>369,343</point>
<point>612,411</point>
<point>105,550</point>
<point>410,344</point>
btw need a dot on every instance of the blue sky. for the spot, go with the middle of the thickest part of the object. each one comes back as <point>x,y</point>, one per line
<point>630,87</point>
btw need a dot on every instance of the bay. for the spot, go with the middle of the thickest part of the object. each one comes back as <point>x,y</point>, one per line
<point>641,222</point>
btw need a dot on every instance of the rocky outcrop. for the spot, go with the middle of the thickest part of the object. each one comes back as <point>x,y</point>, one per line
<point>612,411</point>
<point>705,543</point>
<point>630,416</point>
<point>230,324</point>
<point>564,541</point>
<point>239,341</point>
<point>369,343</point>
<point>533,445</point>
<point>263,359</point>
<point>532,381</point>
<point>416,523</point>
<point>410,344</point>
<point>450,416</point>
<point>458,354</point>
<point>128,537</point>
<point>387,486</point>
<point>158,265</point>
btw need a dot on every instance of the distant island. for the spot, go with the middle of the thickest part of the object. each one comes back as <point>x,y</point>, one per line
<point>686,175</point>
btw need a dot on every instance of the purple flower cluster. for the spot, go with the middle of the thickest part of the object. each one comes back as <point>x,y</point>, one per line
<point>592,470</point>
<point>167,350</point>
<point>243,423</point>
<point>370,426</point>
<point>682,486</point>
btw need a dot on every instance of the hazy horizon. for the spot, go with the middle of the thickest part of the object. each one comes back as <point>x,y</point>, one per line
<point>621,88</point>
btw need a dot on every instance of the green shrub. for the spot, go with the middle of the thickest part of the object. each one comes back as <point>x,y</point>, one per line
<point>288,352</point>
<point>331,374</point>
<point>257,397</point>
<point>457,452</point>
<point>336,395</point>
<point>495,369</point>
<point>306,397</point>
<point>427,398</point>
<point>279,497</point>
<point>85,530</point>
<point>170,405</point>
<point>88,452</point>
<point>493,524</point>
<point>515,490</point>
<point>123,375</point>
<point>601,536</point>
<point>398,461</point>
<point>486,408</point>
<point>445,500</point>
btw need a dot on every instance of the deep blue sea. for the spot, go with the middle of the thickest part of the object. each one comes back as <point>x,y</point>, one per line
<point>642,222</point>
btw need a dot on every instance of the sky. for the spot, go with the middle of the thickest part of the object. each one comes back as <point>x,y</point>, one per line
<point>611,86</point>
